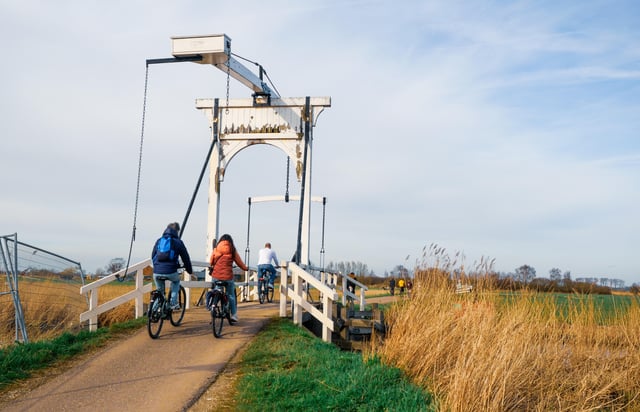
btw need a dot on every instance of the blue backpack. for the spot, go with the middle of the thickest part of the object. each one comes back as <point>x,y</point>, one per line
<point>164,251</point>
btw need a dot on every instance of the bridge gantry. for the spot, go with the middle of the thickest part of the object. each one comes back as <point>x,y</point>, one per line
<point>287,124</point>
<point>266,118</point>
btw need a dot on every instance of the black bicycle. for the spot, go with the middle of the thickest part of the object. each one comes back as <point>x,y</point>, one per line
<point>218,305</point>
<point>160,309</point>
<point>264,291</point>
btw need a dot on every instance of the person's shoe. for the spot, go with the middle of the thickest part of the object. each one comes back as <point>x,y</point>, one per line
<point>176,307</point>
<point>234,318</point>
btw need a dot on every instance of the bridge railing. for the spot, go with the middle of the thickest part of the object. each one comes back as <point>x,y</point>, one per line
<point>138,293</point>
<point>360,297</point>
<point>294,283</point>
<point>297,293</point>
<point>334,279</point>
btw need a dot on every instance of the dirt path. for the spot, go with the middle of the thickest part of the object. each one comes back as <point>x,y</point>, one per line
<point>138,373</point>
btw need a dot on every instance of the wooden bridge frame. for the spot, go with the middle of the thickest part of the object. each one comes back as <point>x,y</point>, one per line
<point>292,281</point>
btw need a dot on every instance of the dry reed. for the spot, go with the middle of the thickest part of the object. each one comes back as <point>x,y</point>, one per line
<point>51,308</point>
<point>477,352</point>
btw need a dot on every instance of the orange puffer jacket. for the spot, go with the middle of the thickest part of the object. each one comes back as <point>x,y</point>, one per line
<point>222,258</point>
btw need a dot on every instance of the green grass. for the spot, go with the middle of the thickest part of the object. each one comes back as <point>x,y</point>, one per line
<point>19,361</point>
<point>286,368</point>
<point>606,307</point>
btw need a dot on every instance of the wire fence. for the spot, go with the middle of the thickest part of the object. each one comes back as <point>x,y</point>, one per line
<point>39,291</point>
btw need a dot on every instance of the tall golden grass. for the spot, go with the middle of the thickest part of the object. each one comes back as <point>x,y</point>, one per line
<point>52,307</point>
<point>477,353</point>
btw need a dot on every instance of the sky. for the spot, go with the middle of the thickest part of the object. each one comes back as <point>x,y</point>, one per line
<point>503,131</point>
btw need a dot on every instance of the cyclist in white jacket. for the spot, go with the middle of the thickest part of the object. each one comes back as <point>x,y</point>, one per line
<point>265,257</point>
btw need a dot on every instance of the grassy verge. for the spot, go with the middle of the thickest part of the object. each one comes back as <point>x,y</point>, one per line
<point>286,368</point>
<point>19,361</point>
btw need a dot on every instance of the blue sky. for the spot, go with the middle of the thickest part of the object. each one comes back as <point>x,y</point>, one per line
<point>504,130</point>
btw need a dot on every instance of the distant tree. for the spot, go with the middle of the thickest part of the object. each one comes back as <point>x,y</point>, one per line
<point>99,272</point>
<point>618,284</point>
<point>68,273</point>
<point>114,265</point>
<point>525,273</point>
<point>400,271</point>
<point>555,274</point>
<point>567,276</point>
<point>359,268</point>
<point>507,275</point>
<point>635,289</point>
<point>541,285</point>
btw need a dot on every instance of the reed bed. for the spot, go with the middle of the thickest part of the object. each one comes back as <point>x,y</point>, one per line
<point>52,307</point>
<point>484,351</point>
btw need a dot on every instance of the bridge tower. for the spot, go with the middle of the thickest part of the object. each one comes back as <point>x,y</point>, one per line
<point>266,118</point>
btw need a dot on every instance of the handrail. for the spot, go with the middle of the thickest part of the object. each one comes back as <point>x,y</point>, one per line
<point>325,284</point>
<point>346,294</point>
<point>298,296</point>
<point>137,294</point>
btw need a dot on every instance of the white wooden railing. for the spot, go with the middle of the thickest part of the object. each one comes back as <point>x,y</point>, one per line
<point>296,291</point>
<point>137,294</point>
<point>298,295</point>
<point>294,281</point>
<point>332,279</point>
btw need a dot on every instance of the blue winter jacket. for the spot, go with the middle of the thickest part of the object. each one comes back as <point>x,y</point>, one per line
<point>165,268</point>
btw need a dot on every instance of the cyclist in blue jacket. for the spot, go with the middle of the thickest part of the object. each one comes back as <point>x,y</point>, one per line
<point>166,264</point>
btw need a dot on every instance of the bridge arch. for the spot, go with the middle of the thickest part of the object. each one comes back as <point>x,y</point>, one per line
<point>286,123</point>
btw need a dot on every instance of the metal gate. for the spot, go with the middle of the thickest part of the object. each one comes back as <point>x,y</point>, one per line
<point>9,267</point>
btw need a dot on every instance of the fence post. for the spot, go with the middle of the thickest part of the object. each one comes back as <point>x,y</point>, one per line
<point>298,292</point>
<point>328,313</point>
<point>93,303</point>
<point>283,288</point>
<point>139,299</point>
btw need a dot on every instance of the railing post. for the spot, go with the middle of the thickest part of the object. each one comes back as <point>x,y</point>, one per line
<point>298,295</point>
<point>284,286</point>
<point>93,303</point>
<point>327,309</point>
<point>139,300</point>
<point>186,276</point>
<point>253,290</point>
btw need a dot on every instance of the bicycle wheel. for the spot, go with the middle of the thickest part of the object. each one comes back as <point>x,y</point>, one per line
<point>176,316</point>
<point>154,317</point>
<point>217,315</point>
<point>270,294</point>
<point>262,293</point>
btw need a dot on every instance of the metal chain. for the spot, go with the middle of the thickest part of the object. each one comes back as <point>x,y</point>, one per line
<point>135,209</point>
<point>286,195</point>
